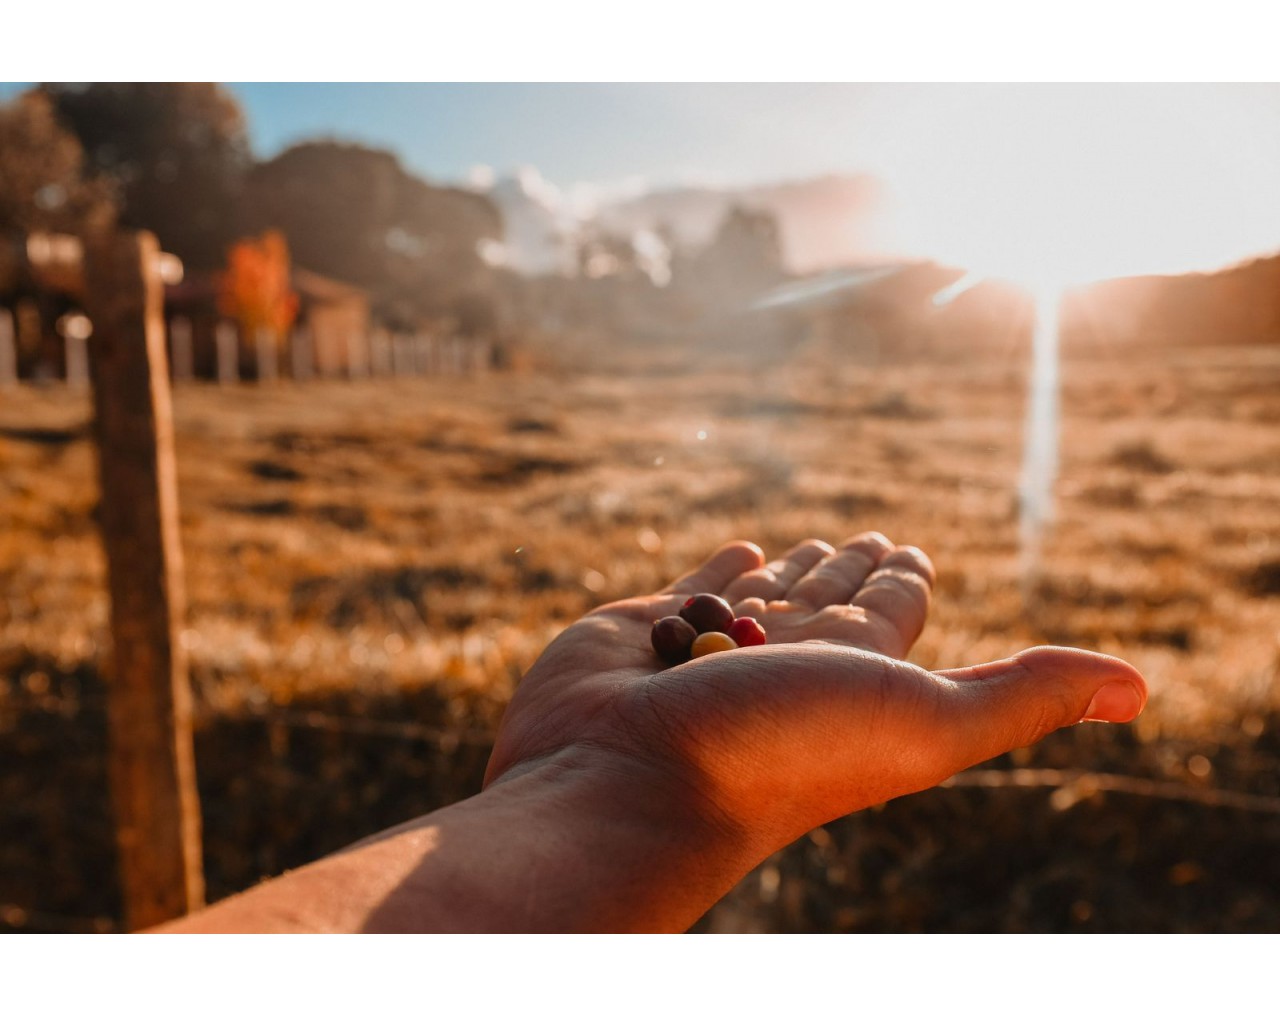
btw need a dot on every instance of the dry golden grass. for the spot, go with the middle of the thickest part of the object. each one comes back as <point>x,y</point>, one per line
<point>405,549</point>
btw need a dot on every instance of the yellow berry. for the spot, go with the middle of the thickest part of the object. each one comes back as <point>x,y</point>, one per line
<point>711,642</point>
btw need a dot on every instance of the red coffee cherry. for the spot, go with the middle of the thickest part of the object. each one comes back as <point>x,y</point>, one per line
<point>707,613</point>
<point>672,637</point>
<point>747,632</point>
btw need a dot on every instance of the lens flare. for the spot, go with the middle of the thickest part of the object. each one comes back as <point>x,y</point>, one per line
<point>1040,444</point>
<point>1040,450</point>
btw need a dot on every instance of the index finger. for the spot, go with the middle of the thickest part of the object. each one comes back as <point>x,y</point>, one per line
<point>718,571</point>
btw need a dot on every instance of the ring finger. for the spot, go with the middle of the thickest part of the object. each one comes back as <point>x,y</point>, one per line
<point>774,580</point>
<point>840,576</point>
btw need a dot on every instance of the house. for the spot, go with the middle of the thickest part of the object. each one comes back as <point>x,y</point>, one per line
<point>333,315</point>
<point>336,317</point>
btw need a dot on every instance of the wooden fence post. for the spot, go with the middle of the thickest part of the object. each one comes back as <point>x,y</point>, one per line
<point>380,353</point>
<point>180,339</point>
<point>357,355</point>
<point>300,359</point>
<point>26,315</point>
<point>8,350</point>
<point>76,354</point>
<point>151,759</point>
<point>401,355</point>
<point>268,356</point>
<point>227,343</point>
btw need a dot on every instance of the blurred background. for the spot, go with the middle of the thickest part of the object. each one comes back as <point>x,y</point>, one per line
<point>453,364</point>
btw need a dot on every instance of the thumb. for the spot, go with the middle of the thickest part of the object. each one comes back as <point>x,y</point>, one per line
<point>1010,703</point>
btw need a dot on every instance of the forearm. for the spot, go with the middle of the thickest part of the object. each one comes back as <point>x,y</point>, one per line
<point>571,847</point>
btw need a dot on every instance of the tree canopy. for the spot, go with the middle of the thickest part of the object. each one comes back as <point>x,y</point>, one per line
<point>175,153</point>
<point>42,184</point>
<point>356,214</point>
<point>255,290</point>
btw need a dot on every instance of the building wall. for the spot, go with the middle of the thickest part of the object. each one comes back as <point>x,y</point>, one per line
<point>332,324</point>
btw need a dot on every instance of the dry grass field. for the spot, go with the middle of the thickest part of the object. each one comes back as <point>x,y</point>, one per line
<point>371,567</point>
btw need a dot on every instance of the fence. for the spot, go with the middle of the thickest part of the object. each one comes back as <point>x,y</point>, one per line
<point>284,751</point>
<point>126,352</point>
<point>45,337</point>
<point>262,356</point>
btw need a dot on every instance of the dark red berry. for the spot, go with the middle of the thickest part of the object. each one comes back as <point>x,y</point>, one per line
<point>707,613</point>
<point>671,637</point>
<point>747,632</point>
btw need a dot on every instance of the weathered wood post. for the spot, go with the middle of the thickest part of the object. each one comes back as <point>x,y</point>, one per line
<point>380,353</point>
<point>8,350</point>
<point>180,341</point>
<point>226,341</point>
<point>300,360</point>
<point>76,355</point>
<point>27,319</point>
<point>401,355</point>
<point>152,762</point>
<point>357,355</point>
<point>268,356</point>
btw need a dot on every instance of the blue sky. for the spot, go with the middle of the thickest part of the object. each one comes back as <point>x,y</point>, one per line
<point>1087,179</point>
<point>586,132</point>
<point>577,133</point>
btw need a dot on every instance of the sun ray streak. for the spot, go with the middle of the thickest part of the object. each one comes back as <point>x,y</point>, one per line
<point>810,291</point>
<point>1041,434</point>
<point>1040,444</point>
<point>949,293</point>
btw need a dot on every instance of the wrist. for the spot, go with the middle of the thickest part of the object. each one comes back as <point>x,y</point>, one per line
<point>608,843</point>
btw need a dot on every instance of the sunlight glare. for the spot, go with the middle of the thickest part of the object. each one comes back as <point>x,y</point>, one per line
<point>1040,444</point>
<point>1071,184</point>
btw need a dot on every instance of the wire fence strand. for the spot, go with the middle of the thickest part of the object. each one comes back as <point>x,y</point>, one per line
<point>1083,783</point>
<point>1074,785</point>
<point>318,720</point>
<point>17,918</point>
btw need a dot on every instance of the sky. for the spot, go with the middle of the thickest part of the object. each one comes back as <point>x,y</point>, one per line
<point>1062,181</point>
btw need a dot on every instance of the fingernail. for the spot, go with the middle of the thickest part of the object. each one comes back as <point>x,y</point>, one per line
<point>1115,703</point>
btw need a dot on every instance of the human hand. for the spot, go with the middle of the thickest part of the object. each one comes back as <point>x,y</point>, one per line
<point>624,797</point>
<point>761,744</point>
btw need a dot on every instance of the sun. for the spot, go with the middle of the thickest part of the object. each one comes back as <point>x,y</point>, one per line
<point>1055,186</point>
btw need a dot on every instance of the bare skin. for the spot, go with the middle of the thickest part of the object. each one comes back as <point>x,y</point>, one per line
<point>624,797</point>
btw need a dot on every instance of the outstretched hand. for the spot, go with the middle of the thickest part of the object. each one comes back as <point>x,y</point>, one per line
<point>762,744</point>
<point>625,796</point>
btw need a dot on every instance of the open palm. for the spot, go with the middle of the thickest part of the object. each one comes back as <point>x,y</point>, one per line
<point>824,720</point>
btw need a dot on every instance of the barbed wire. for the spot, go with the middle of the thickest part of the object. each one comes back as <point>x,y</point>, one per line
<point>319,720</point>
<point>311,719</point>
<point>25,919</point>
<point>1079,784</point>
<point>1083,783</point>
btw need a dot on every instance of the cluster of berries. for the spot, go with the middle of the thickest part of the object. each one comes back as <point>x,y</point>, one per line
<point>706,624</point>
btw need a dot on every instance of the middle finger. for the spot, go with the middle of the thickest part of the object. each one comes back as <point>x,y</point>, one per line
<point>774,580</point>
<point>840,576</point>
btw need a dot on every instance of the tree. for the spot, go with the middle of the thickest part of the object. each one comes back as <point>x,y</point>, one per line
<point>42,186</point>
<point>742,261</point>
<point>255,288</point>
<point>748,250</point>
<point>176,154</point>
<point>354,213</point>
